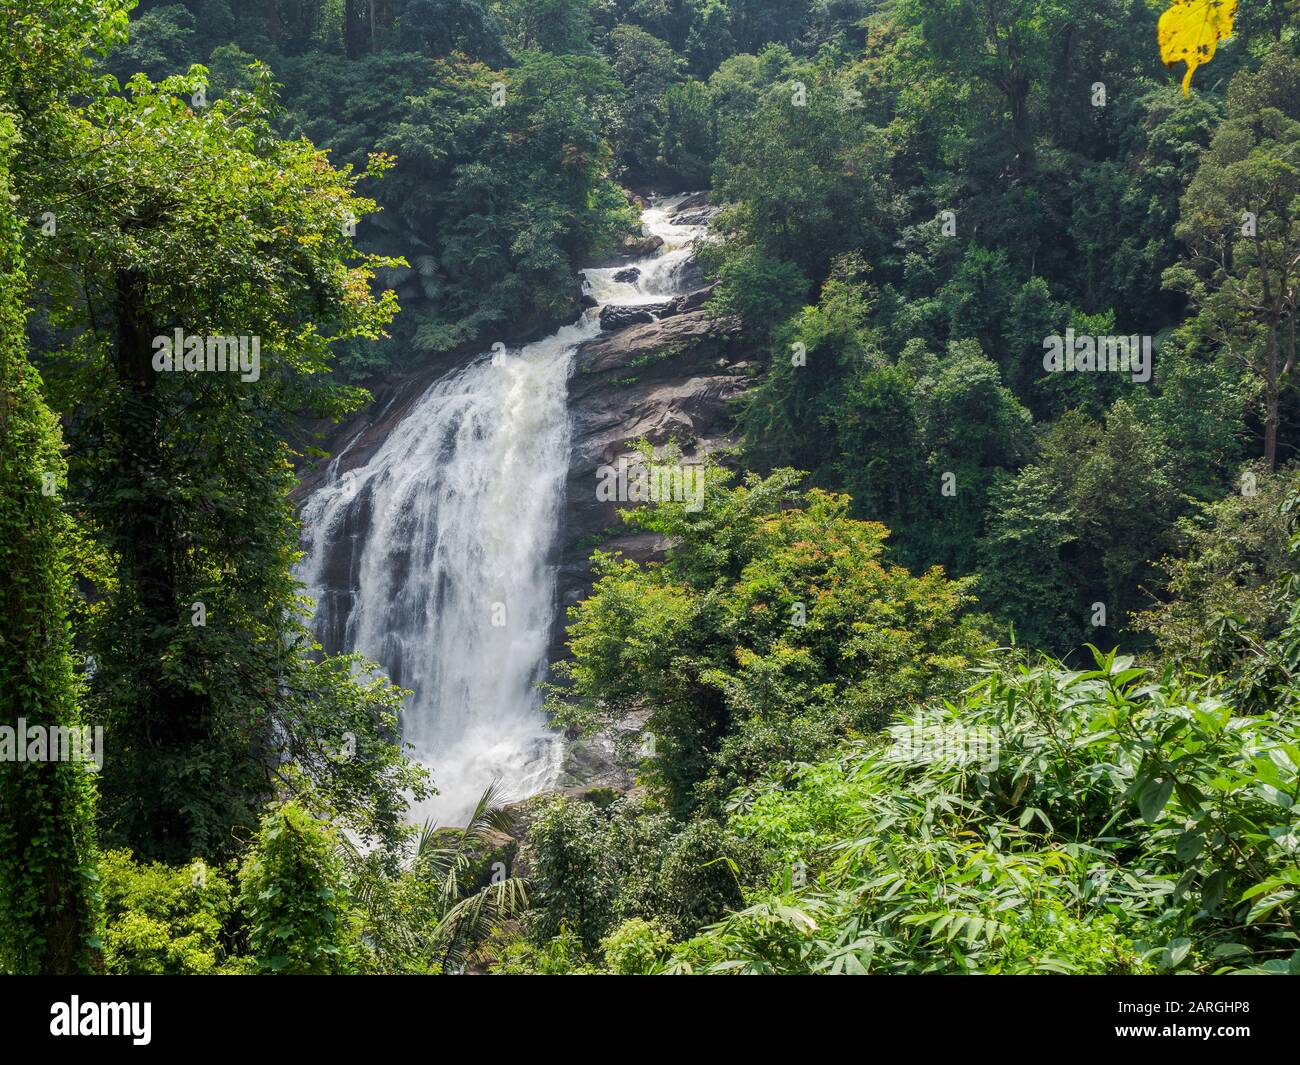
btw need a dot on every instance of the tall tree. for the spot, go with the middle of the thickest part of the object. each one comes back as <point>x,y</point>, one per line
<point>1007,44</point>
<point>183,220</point>
<point>558,26</point>
<point>1241,225</point>
<point>48,906</point>
<point>48,903</point>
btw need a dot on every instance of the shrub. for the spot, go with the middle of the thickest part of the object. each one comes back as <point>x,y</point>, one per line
<point>593,869</point>
<point>572,873</point>
<point>291,888</point>
<point>636,947</point>
<point>1123,824</point>
<point>561,955</point>
<point>163,919</point>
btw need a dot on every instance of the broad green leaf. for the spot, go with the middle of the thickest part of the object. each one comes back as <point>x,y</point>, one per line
<point>1152,798</point>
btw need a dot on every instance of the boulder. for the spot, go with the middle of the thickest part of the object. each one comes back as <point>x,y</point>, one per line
<point>692,301</point>
<point>695,199</point>
<point>632,248</point>
<point>615,316</point>
<point>700,217</point>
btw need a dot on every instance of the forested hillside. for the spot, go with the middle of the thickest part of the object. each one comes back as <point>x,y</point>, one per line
<point>977,650</point>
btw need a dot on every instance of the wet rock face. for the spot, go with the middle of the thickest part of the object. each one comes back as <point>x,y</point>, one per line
<point>701,217</point>
<point>636,247</point>
<point>660,371</point>
<point>665,379</point>
<point>614,317</point>
<point>692,202</point>
<point>693,301</point>
<point>652,341</point>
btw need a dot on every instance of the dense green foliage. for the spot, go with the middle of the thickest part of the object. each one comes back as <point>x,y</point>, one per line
<point>304,899</point>
<point>598,867</point>
<point>455,887</point>
<point>169,919</point>
<point>48,899</point>
<point>908,224</point>
<point>1046,819</point>
<point>1093,822</point>
<point>1226,583</point>
<point>773,628</point>
<point>873,710</point>
<point>290,888</point>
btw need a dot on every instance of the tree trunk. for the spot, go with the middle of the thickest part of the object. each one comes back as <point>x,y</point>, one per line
<point>1022,137</point>
<point>1271,400</point>
<point>141,461</point>
<point>156,720</point>
<point>354,28</point>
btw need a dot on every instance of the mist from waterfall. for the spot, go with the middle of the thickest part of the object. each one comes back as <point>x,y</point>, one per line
<point>446,537</point>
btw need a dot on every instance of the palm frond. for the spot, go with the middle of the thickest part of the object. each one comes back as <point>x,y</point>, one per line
<point>472,918</point>
<point>447,864</point>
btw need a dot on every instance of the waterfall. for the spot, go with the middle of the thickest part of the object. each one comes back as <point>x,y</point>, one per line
<point>434,557</point>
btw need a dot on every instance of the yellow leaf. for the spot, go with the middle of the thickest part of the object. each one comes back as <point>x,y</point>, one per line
<point>1191,30</point>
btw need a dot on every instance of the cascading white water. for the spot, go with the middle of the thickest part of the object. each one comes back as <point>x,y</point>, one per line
<point>661,275</point>
<point>446,534</point>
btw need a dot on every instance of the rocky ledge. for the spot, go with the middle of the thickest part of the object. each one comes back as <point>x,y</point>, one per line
<point>666,378</point>
<point>662,380</point>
